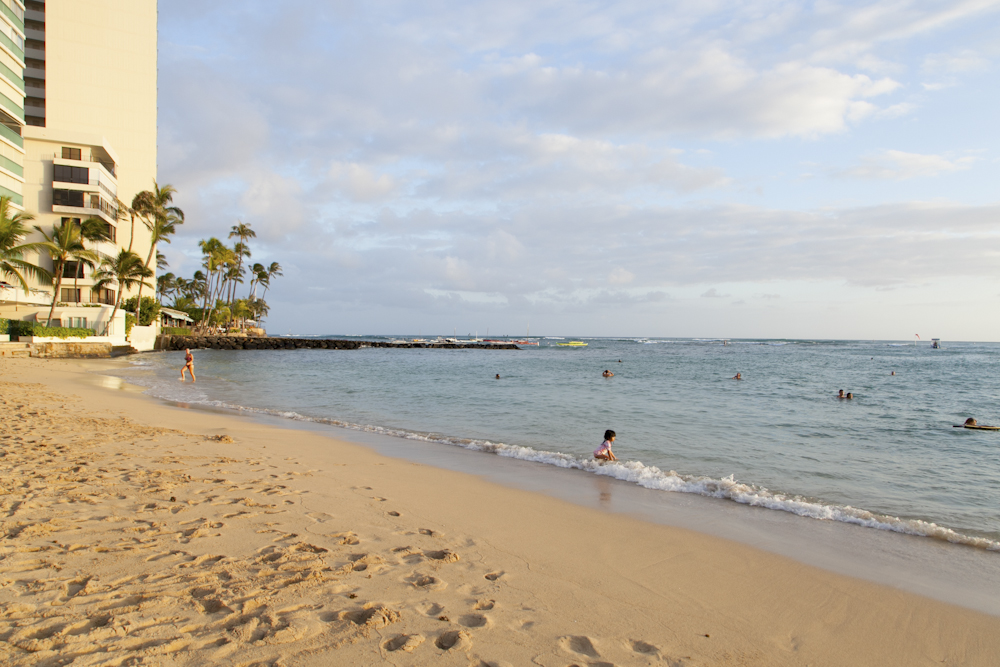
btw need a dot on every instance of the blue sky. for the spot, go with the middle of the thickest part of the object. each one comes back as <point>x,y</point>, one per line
<point>759,169</point>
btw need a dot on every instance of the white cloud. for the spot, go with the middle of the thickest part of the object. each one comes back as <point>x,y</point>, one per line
<point>899,165</point>
<point>714,294</point>
<point>620,276</point>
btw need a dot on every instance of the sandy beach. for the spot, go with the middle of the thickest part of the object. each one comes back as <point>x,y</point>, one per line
<point>136,532</point>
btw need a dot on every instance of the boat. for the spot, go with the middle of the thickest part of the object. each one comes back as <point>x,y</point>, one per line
<point>525,342</point>
<point>573,343</point>
<point>935,343</point>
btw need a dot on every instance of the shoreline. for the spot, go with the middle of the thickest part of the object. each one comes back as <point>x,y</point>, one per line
<point>573,582</point>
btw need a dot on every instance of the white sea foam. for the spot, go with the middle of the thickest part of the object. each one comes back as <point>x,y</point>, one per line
<point>652,477</point>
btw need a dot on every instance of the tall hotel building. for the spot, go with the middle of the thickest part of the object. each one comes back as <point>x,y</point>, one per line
<point>78,135</point>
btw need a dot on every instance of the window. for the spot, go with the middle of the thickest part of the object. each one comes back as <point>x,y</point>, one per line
<point>69,295</point>
<point>70,268</point>
<point>105,296</point>
<point>64,174</point>
<point>75,322</point>
<point>72,153</point>
<point>112,234</point>
<point>67,198</point>
<point>34,63</point>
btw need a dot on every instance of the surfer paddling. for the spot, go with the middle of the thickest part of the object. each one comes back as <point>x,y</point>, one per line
<point>604,453</point>
<point>608,374</point>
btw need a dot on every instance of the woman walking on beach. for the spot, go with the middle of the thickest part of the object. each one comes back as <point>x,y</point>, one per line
<point>188,365</point>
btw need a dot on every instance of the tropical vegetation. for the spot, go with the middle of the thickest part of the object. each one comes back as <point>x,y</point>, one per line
<point>12,262</point>
<point>211,295</point>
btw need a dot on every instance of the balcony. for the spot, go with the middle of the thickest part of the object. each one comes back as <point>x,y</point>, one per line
<point>12,136</point>
<point>84,204</point>
<point>13,12</point>
<point>12,76</point>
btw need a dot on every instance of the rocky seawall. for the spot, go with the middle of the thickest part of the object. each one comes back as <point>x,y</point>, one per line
<point>266,343</point>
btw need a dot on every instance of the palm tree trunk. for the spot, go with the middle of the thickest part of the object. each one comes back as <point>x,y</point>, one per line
<point>131,236</point>
<point>114,311</point>
<point>55,295</point>
<point>138,297</point>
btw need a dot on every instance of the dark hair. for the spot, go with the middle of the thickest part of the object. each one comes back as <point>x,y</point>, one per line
<point>609,434</point>
<point>971,421</point>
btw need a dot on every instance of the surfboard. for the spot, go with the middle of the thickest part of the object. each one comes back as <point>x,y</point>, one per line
<point>978,428</point>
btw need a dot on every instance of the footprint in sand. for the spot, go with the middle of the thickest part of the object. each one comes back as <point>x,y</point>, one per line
<point>642,647</point>
<point>404,643</point>
<point>474,621</point>
<point>484,605</point>
<point>580,645</point>
<point>493,576</point>
<point>430,609</point>
<point>453,639</point>
<point>444,556</point>
<point>425,582</point>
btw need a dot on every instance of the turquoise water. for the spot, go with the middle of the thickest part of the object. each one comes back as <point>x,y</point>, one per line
<point>779,438</point>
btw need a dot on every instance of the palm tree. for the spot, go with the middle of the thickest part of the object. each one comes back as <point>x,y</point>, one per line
<point>161,220</point>
<point>12,262</point>
<point>65,243</point>
<point>257,270</point>
<point>274,270</point>
<point>166,285</point>
<point>244,233</point>
<point>93,230</point>
<point>217,256</point>
<point>124,269</point>
<point>142,204</point>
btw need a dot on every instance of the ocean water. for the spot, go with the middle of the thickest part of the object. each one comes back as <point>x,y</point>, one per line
<point>779,439</point>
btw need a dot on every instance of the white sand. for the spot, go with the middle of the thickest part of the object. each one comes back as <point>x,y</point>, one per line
<point>130,535</point>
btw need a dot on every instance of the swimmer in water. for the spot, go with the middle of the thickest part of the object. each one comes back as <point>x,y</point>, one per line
<point>498,376</point>
<point>738,376</point>
<point>892,373</point>
<point>604,453</point>
<point>971,421</point>
<point>849,396</point>
<point>608,374</point>
<point>188,365</point>
<point>840,394</point>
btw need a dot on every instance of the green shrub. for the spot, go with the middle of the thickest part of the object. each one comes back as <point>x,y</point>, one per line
<point>4,326</point>
<point>129,323</point>
<point>148,313</point>
<point>22,328</point>
<point>176,331</point>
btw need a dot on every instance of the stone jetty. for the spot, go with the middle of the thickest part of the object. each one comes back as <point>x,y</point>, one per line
<point>278,343</point>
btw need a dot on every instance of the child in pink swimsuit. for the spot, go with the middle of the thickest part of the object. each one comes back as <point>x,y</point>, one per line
<point>604,452</point>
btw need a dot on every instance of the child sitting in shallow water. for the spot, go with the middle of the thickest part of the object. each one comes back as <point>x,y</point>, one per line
<point>604,452</point>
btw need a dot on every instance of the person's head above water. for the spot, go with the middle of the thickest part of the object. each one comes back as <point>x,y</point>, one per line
<point>498,376</point>
<point>971,421</point>
<point>840,394</point>
<point>609,435</point>
<point>850,395</point>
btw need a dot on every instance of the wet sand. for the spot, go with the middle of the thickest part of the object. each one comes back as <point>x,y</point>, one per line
<point>139,533</point>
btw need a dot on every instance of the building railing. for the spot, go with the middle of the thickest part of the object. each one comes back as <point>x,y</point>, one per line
<point>11,106</point>
<point>16,46</point>
<point>11,166</point>
<point>15,198</point>
<point>14,137</point>
<point>109,166</point>
<point>14,13</point>
<point>14,77</point>
<point>93,181</point>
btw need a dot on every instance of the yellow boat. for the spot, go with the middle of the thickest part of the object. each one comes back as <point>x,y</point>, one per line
<point>573,343</point>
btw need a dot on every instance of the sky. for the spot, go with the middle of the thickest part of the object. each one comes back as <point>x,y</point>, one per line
<point>759,168</point>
